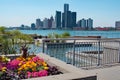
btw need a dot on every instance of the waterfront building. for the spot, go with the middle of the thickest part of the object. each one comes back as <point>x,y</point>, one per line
<point>53,24</point>
<point>58,19</point>
<point>117,25</point>
<point>50,22</point>
<point>45,23</point>
<point>79,23</point>
<point>68,18</point>
<point>63,20</point>
<point>73,19</point>
<point>83,23</point>
<point>33,26</point>
<point>89,24</point>
<point>66,7</point>
<point>38,24</point>
<point>65,16</point>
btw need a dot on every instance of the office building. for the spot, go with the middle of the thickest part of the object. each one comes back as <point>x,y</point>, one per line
<point>117,24</point>
<point>89,24</point>
<point>58,19</point>
<point>68,18</point>
<point>53,24</point>
<point>63,20</point>
<point>66,7</point>
<point>50,22</point>
<point>73,19</point>
<point>45,23</point>
<point>83,23</point>
<point>38,24</point>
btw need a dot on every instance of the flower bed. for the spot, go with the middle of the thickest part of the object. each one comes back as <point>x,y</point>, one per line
<point>24,68</point>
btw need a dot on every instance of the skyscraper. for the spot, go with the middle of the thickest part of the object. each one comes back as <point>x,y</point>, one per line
<point>66,15</point>
<point>117,24</point>
<point>58,19</point>
<point>73,20</point>
<point>63,20</point>
<point>45,23</point>
<point>89,24</point>
<point>66,7</point>
<point>50,22</point>
<point>38,23</point>
<point>83,23</point>
<point>68,18</point>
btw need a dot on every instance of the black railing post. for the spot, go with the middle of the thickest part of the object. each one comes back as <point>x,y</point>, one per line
<point>98,52</point>
<point>74,52</point>
<point>43,46</point>
<point>119,51</point>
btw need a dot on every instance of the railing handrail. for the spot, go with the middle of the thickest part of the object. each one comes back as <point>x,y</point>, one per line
<point>101,39</point>
<point>98,44</point>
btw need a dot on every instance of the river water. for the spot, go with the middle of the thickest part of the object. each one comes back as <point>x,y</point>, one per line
<point>104,34</point>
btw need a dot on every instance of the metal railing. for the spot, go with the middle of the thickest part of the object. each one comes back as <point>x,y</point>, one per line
<point>83,52</point>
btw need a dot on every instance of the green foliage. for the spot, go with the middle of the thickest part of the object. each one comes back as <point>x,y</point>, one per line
<point>55,36</point>
<point>65,35</point>
<point>9,39</point>
<point>2,29</point>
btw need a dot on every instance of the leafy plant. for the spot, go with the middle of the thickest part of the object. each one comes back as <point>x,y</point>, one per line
<point>13,41</point>
<point>55,36</point>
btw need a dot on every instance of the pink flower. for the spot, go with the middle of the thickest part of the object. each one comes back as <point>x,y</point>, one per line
<point>42,73</point>
<point>34,74</point>
<point>13,64</point>
<point>29,74</point>
<point>36,58</point>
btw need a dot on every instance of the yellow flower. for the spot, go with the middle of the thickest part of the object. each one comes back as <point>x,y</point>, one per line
<point>24,65</point>
<point>33,64</point>
<point>24,59</point>
<point>44,64</point>
<point>30,66</point>
<point>20,69</point>
<point>33,69</point>
<point>28,58</point>
<point>46,68</point>
<point>26,68</point>
<point>20,64</point>
<point>4,69</point>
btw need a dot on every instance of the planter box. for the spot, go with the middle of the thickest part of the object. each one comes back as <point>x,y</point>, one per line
<point>69,72</point>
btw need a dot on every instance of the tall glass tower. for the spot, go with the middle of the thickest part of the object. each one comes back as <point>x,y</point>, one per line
<point>58,19</point>
<point>68,18</point>
<point>66,7</point>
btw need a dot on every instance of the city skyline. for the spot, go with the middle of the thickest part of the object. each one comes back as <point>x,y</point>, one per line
<point>17,12</point>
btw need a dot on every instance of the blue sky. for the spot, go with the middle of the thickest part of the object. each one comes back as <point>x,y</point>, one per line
<point>17,12</point>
